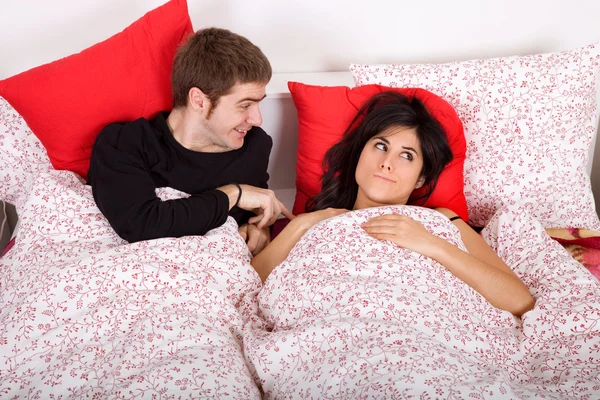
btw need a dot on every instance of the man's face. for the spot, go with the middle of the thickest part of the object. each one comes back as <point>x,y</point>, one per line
<point>234,115</point>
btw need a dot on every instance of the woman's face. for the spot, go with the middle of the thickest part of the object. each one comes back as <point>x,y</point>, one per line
<point>389,168</point>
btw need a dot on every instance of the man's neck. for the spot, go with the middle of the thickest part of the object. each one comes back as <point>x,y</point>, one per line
<point>186,132</point>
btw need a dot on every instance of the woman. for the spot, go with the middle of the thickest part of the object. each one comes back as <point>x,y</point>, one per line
<point>392,147</point>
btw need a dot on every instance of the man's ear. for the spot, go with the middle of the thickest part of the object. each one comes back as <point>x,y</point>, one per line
<point>198,101</point>
<point>420,182</point>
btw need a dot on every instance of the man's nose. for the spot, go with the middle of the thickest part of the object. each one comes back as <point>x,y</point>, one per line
<point>255,117</point>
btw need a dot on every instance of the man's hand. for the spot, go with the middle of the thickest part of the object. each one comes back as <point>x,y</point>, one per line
<point>256,239</point>
<point>262,202</point>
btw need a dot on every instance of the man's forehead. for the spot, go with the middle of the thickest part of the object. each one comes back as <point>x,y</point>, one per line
<point>250,91</point>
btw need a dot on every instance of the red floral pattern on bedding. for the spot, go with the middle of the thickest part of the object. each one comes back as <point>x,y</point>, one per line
<point>22,156</point>
<point>352,317</point>
<point>84,314</point>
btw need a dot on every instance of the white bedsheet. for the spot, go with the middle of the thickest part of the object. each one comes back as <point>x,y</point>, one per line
<point>353,317</point>
<point>85,314</point>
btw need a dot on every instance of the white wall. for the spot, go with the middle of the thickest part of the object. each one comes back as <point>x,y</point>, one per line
<point>311,35</point>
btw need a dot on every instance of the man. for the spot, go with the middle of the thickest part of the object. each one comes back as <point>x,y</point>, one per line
<point>209,146</point>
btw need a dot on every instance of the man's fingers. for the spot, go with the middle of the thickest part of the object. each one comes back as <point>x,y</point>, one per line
<point>286,213</point>
<point>269,213</point>
<point>264,218</point>
<point>255,219</point>
<point>275,213</point>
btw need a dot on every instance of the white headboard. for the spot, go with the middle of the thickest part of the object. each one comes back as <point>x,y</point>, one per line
<point>280,121</point>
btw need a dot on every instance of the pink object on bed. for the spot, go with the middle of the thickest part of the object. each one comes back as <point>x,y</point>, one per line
<point>582,244</point>
<point>9,246</point>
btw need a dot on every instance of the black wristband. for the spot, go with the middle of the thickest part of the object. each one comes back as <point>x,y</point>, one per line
<point>239,195</point>
<point>455,217</point>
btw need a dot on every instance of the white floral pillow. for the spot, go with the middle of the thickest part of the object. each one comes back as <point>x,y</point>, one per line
<point>22,156</point>
<point>529,123</point>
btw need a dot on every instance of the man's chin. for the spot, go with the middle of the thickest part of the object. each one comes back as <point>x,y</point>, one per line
<point>237,144</point>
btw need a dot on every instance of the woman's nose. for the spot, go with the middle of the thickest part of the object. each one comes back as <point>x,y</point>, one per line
<point>385,165</point>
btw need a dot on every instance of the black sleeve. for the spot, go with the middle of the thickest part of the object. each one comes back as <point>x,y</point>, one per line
<point>125,193</point>
<point>258,165</point>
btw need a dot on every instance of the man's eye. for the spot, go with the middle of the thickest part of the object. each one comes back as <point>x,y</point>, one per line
<point>245,106</point>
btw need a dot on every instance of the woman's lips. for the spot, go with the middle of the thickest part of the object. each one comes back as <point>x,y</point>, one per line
<point>385,178</point>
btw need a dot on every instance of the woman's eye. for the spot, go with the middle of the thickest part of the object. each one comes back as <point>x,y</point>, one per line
<point>380,146</point>
<point>407,156</point>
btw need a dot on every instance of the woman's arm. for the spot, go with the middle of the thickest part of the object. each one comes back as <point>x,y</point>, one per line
<point>480,268</point>
<point>279,248</point>
<point>484,271</point>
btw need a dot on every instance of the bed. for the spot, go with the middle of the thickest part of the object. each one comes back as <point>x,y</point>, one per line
<point>84,314</point>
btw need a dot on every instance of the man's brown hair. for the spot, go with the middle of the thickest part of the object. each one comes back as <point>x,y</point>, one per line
<point>214,60</point>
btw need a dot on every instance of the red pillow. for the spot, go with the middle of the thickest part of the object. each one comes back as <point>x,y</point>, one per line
<point>324,113</point>
<point>67,102</point>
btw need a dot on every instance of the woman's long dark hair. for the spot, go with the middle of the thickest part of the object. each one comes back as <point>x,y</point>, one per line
<point>384,110</point>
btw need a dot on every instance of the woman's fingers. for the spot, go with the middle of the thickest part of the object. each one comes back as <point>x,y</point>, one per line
<point>379,229</point>
<point>253,236</point>
<point>386,220</point>
<point>382,236</point>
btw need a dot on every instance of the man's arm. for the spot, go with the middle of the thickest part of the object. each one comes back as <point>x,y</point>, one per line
<point>261,144</point>
<point>125,193</point>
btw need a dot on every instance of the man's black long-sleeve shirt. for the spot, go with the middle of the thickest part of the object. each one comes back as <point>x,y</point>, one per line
<point>130,160</point>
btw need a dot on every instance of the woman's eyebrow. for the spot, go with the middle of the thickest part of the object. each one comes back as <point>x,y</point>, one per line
<point>410,149</point>
<point>382,138</point>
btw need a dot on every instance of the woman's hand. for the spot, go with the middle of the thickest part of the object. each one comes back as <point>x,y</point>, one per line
<point>403,231</point>
<point>480,267</point>
<point>256,239</point>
